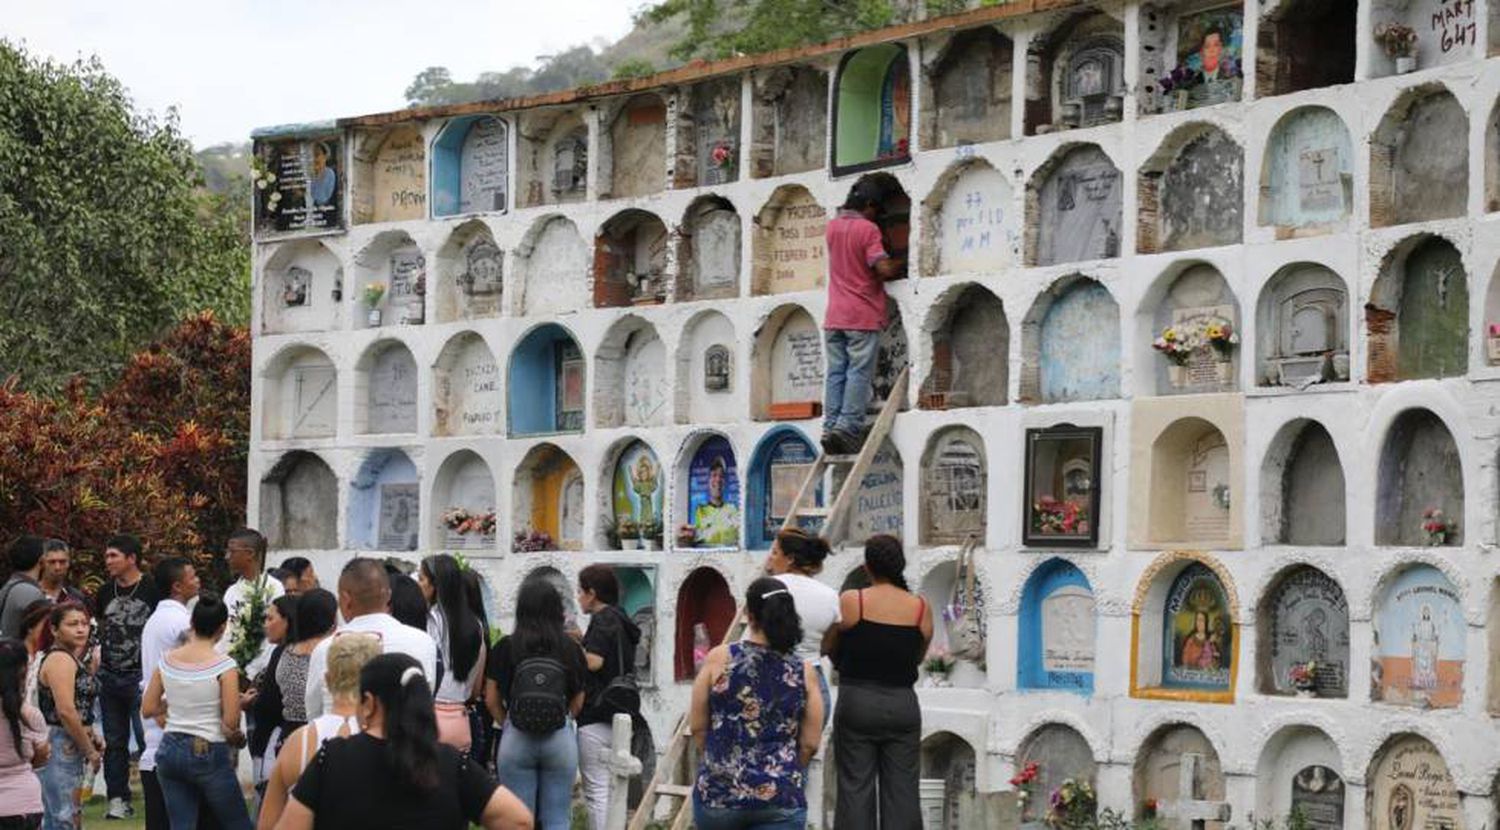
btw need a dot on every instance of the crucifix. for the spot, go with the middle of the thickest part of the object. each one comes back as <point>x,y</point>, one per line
<point>1188,810</point>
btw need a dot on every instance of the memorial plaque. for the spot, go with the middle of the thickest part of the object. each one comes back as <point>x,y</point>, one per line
<point>647,389</point>
<point>1413,789</point>
<point>1062,486</point>
<point>714,494</point>
<point>482,279</point>
<point>716,253</point>
<point>1310,623</point>
<point>296,283</point>
<point>1068,630</point>
<point>1320,188</point>
<point>469,392</point>
<point>483,167</point>
<point>398,516</point>
<point>393,392</point>
<point>797,361</point>
<point>791,253</point>
<point>955,488</point>
<point>400,177</point>
<point>556,270</point>
<point>298,184</point>
<point>1318,794</point>
<point>570,522</point>
<point>1420,641</point>
<point>473,489</point>
<point>639,487</point>
<point>786,468</point>
<point>1060,754</point>
<point>1081,209</point>
<point>314,401</point>
<point>977,228</point>
<point>718,369</point>
<point>878,504</point>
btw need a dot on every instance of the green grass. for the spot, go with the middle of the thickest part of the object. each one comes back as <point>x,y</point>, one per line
<point>93,815</point>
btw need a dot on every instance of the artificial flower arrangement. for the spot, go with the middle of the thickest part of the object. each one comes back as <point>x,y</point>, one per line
<point>1436,526</point>
<point>463,522</point>
<point>1023,782</point>
<point>1221,336</point>
<point>1398,40</point>
<point>1072,805</point>
<point>939,662</point>
<point>373,293</point>
<point>532,541</point>
<point>263,178</point>
<point>249,631</point>
<point>1177,343</point>
<point>1303,677</point>
<point>1053,516</point>
<point>723,155</point>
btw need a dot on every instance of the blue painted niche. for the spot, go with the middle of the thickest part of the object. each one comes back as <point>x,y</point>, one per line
<point>470,166</point>
<point>384,498</point>
<point>777,468</point>
<point>1057,594</point>
<point>546,383</point>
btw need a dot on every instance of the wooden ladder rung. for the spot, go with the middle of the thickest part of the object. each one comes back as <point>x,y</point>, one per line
<point>841,459</point>
<point>813,512</point>
<point>675,790</point>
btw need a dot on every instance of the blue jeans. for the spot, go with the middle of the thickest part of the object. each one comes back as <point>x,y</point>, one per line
<point>540,770</point>
<point>61,779</point>
<point>193,771</point>
<point>120,711</point>
<point>762,818</point>
<point>847,388</point>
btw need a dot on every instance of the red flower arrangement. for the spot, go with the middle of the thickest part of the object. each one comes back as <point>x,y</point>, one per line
<point>1053,516</point>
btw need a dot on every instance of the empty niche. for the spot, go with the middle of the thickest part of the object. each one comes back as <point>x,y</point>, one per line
<point>637,495</point>
<point>466,399</point>
<point>471,275</point>
<point>386,381</point>
<point>299,503</point>
<point>470,166</point>
<point>1070,344</point>
<point>788,252</point>
<point>1062,497</point>
<point>1170,754</point>
<point>1409,785</point>
<point>636,164</point>
<point>787,366</point>
<point>553,155</point>
<point>947,760</point>
<point>969,85</point>
<point>1302,488</point>
<point>708,134</point>
<point>463,503</point>
<point>872,109</point>
<point>1409,181</point>
<point>1421,35</point>
<point>392,281</point>
<point>301,395</point>
<point>548,363</point>
<point>1305,44</point>
<point>879,505</point>
<point>778,466</point>
<point>708,251</point>
<point>1195,329</point>
<point>1074,207</point>
<point>1307,174</point>
<point>1060,754</point>
<point>1420,640</point>
<point>390,175</point>
<point>707,370</point>
<point>630,260</point>
<point>970,222</point>
<point>1075,75</point>
<point>1298,775</point>
<point>1420,472</point>
<point>1057,631</point>
<point>970,350</point>
<point>553,262</point>
<point>707,500</point>
<point>302,288</point>
<point>1192,493</point>
<point>1303,619</point>
<point>954,487</point>
<point>790,118</point>
<point>384,503</point>
<point>1492,143</point>
<point>631,385</point>
<point>1191,55</point>
<point>1417,320</point>
<point>638,601</point>
<point>705,609</point>
<point>1302,327</point>
<point>946,586</point>
<point>1192,192</point>
<point>547,501</point>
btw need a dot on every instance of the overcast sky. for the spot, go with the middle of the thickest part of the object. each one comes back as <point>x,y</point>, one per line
<point>233,65</point>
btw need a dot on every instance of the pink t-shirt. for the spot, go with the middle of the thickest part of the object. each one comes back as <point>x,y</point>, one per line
<point>20,790</point>
<point>856,295</point>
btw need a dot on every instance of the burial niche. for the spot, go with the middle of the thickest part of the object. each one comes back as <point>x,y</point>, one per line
<point>1409,180</point>
<point>892,357</point>
<point>392,278</point>
<point>872,109</point>
<point>1192,192</point>
<point>708,251</point>
<point>1070,344</point>
<point>1420,485</point>
<point>970,222</point>
<point>1061,755</point>
<point>299,184</point>
<point>705,609</point>
<point>969,86</point>
<point>1191,488</point>
<point>466,399</point>
<point>1307,173</point>
<point>707,371</point>
<point>947,761</point>
<point>301,395</point>
<point>954,487</point>
<point>788,366</point>
<point>788,252</point>
<point>778,467</point>
<point>970,350</point>
<point>1421,35</point>
<point>638,144</point>
<point>385,503</point>
<point>388,373</point>
<point>1175,755</point>
<point>1074,208</point>
<point>463,508</point>
<point>631,387</point>
<point>1075,76</point>
<point>638,601</point>
<point>1298,774</point>
<point>1062,498</point>
<point>471,166</point>
<point>1492,320</point>
<point>1302,327</point>
<point>1198,633</point>
<point>1420,631</point>
<point>790,121</point>
<point>1417,320</point>
<point>1410,787</point>
<point>299,503</point>
<point>553,155</point>
<point>1302,486</point>
<point>549,364</point>
<point>1205,49</point>
<point>1492,140</point>
<point>1303,624</point>
<point>708,134</point>
<point>1057,630</point>
<point>554,269</point>
<point>471,275</point>
<point>709,503</point>
<point>302,289</point>
<point>630,260</point>
<point>1196,333</point>
<point>637,493</point>
<point>547,501</point>
<point>390,175</point>
<point>1305,44</point>
<point>878,503</point>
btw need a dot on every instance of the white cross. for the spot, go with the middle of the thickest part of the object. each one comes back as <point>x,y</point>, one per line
<point>1188,809</point>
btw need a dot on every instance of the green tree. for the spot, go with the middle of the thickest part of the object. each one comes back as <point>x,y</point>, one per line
<point>107,236</point>
<point>724,28</point>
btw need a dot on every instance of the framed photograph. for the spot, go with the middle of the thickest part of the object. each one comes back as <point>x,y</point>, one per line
<point>1062,486</point>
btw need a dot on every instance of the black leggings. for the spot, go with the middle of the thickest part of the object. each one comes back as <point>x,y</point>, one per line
<point>30,821</point>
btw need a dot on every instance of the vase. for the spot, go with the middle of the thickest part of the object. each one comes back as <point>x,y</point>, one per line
<point>629,544</point>
<point>1177,375</point>
<point>1180,100</point>
<point>1225,369</point>
<point>1406,64</point>
<point>650,544</point>
<point>374,318</point>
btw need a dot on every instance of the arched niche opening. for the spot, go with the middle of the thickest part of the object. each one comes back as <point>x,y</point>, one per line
<point>1061,754</point>
<point>471,166</point>
<point>391,276</point>
<point>778,466</point>
<point>879,504</point>
<point>788,252</point>
<point>1195,325</point>
<point>463,503</point>
<point>553,265</point>
<point>1303,619</point>
<point>636,498</point>
<point>872,109</point>
<point>1169,754</point>
<point>970,350</point>
<point>466,400</point>
<point>949,760</point>
<point>630,260</point>
<point>1298,773</point>
<point>954,504</point>
<point>385,503</point>
<point>390,175</point>
<point>969,222</point>
<point>786,381</point>
<point>705,609</point>
<point>300,394</point>
<point>789,121</point>
<point>1070,344</point>
<point>547,501</point>
<point>1445,34</point>
<point>1421,471</point>
<point>1302,488</point>
<point>636,164</point>
<point>1492,144</point>
<point>1057,630</point>
<point>549,364</point>
<point>1191,192</point>
<point>631,385</point>
<point>708,384</point>
<point>1417,319</point>
<point>1307,173</point>
<point>1302,327</point>
<point>1409,182</point>
<point>558,582</point>
<point>968,83</point>
<point>1409,785</point>
<point>708,251</point>
<point>1420,643</point>
<point>708,134</point>
<point>1076,74</point>
<point>385,380</point>
<point>471,275</point>
<point>1074,207</point>
<point>893,215</point>
<point>1192,494</point>
<point>299,503</point>
<point>302,288</point>
<point>1190,56</point>
<point>553,157</point>
<point>706,500</point>
<point>1305,44</point>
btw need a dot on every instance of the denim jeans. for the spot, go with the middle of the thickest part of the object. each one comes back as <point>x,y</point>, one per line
<point>119,709</point>
<point>540,770</point>
<point>847,388</point>
<point>762,818</point>
<point>61,779</point>
<point>193,771</point>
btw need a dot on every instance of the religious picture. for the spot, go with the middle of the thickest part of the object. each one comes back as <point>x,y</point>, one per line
<point>895,110</point>
<point>1209,45</point>
<point>1198,637</point>
<point>398,517</point>
<point>714,494</point>
<point>1062,493</point>
<point>638,486</point>
<point>297,184</point>
<point>1419,642</point>
<point>295,285</point>
<point>484,268</point>
<point>717,366</point>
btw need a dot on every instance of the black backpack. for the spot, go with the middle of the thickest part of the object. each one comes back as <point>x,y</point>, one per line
<point>539,695</point>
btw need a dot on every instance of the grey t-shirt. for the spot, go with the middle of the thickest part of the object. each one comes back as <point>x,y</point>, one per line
<point>19,592</point>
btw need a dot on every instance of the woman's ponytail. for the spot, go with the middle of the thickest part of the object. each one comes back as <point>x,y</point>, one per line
<point>411,736</point>
<point>774,612</point>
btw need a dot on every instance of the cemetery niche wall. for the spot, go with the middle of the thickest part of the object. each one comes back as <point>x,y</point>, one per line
<point>1061,754</point>
<point>947,761</point>
<point>302,289</point>
<point>299,183</point>
<point>1417,319</point>
<point>553,266</point>
<point>636,163</point>
<point>1074,208</point>
<point>392,281</point>
<point>299,395</point>
<point>1191,487</point>
<point>471,166</point>
<point>630,260</point>
<point>789,121</point>
<point>462,508</point>
<point>708,251</point>
<point>1305,44</point>
<point>1302,327</point>
<point>708,134</point>
<point>1410,786</point>
<point>637,497</point>
<point>707,496</point>
<point>1062,500</point>
<point>787,366</point>
<point>1307,173</point>
<point>1298,772</point>
<point>954,487</point>
<point>553,157</point>
<point>1419,498</point>
<point>547,501</point>
<point>968,82</point>
<point>548,362</point>
<point>872,109</point>
<point>1302,488</point>
<point>1420,641</point>
<point>470,275</point>
<point>970,344</point>
<point>466,397</point>
<point>1070,344</point>
<point>1195,329</point>
<point>1408,36</point>
<point>708,389</point>
<point>1172,759</point>
<point>1192,55</point>
<point>1075,75</point>
<point>390,175</point>
<point>1191,192</point>
<point>385,498</point>
<point>970,222</point>
<point>788,252</point>
<point>298,495</point>
<point>386,386</point>
<point>1409,182</point>
<point>631,386</point>
<point>1303,627</point>
<point>1057,630</point>
<point>778,465</point>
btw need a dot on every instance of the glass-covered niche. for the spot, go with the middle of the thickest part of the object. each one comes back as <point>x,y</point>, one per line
<point>1062,486</point>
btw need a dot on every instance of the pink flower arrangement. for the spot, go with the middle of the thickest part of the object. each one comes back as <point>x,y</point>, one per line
<point>1436,526</point>
<point>1053,516</point>
<point>461,521</point>
<point>723,155</point>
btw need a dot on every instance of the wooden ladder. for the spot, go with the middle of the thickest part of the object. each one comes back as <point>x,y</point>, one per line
<point>677,768</point>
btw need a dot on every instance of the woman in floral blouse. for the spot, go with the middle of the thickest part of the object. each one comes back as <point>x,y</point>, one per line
<point>757,715</point>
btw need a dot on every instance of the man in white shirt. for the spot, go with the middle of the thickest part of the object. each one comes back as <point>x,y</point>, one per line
<point>246,554</point>
<point>364,602</point>
<point>177,583</point>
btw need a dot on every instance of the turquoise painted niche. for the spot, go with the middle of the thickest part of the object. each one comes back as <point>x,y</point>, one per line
<point>546,379</point>
<point>1057,630</point>
<point>777,468</point>
<point>471,166</point>
<point>872,111</point>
